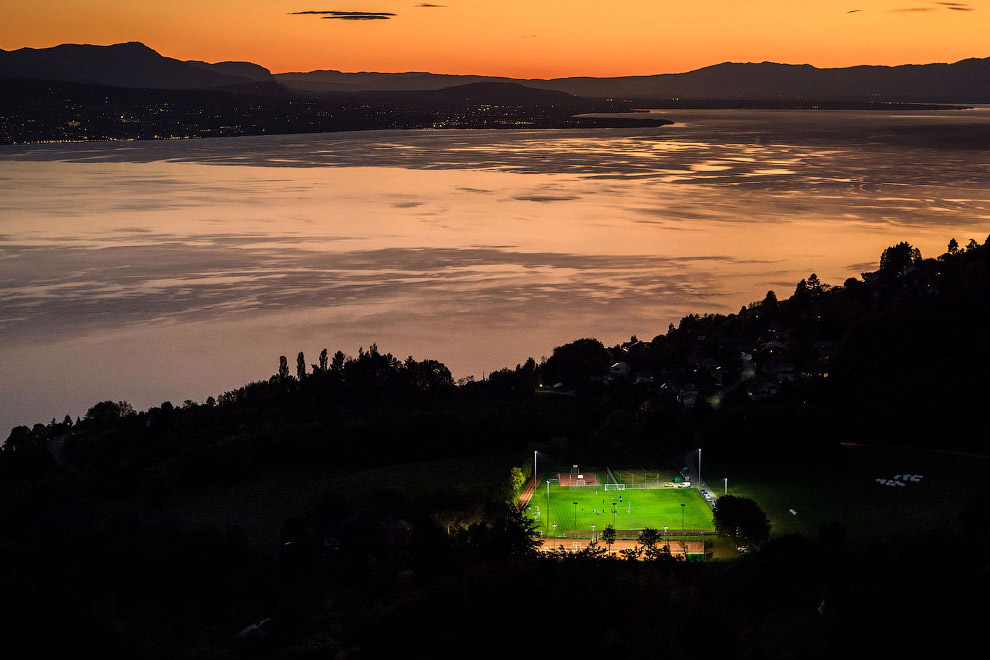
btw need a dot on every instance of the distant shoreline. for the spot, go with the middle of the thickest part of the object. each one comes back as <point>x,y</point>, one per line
<point>646,105</point>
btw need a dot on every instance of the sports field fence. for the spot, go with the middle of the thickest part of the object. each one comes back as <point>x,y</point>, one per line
<point>640,478</point>
<point>688,535</point>
<point>568,473</point>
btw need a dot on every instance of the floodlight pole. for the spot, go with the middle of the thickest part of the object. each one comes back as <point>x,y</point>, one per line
<point>593,526</point>
<point>682,516</point>
<point>701,484</point>
<point>575,515</point>
<point>665,537</point>
<point>726,479</point>
<point>548,507</point>
<point>534,464</point>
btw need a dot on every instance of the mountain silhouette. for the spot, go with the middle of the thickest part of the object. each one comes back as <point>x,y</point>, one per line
<point>135,65</point>
<point>461,96</point>
<point>125,65</point>
<point>966,81</point>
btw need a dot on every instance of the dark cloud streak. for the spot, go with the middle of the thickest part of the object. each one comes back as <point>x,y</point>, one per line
<point>359,17</point>
<point>951,6</point>
<point>347,15</point>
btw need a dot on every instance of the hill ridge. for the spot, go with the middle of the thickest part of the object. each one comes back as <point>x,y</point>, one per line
<point>134,64</point>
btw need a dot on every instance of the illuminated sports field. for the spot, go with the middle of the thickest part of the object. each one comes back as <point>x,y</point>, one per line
<point>639,508</point>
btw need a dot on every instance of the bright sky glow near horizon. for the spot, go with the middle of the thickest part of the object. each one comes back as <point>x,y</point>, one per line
<point>538,39</point>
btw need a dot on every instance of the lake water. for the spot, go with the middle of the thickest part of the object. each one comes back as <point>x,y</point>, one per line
<point>177,270</point>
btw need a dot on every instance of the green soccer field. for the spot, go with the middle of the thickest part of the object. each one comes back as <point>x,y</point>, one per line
<point>637,509</point>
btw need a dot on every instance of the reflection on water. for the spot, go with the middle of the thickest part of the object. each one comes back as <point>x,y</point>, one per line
<point>173,270</point>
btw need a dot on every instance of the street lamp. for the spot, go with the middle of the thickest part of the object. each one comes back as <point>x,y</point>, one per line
<point>665,537</point>
<point>726,479</point>
<point>613,515</point>
<point>682,516</point>
<point>593,536</point>
<point>555,530</point>
<point>575,515</point>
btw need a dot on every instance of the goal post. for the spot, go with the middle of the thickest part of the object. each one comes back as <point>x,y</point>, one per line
<point>634,479</point>
<point>614,487</point>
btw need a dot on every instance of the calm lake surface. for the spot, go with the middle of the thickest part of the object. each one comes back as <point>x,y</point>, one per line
<point>178,270</point>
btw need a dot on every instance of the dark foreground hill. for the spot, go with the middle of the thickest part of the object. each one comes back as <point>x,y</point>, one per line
<point>380,488</point>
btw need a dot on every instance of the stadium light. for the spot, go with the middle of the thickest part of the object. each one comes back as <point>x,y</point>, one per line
<point>701,484</point>
<point>548,507</point>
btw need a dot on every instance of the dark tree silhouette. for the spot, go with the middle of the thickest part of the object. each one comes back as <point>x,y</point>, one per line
<point>576,362</point>
<point>428,375</point>
<point>283,368</point>
<point>815,286</point>
<point>631,554</point>
<point>108,412</point>
<point>608,536</point>
<point>649,537</point>
<point>20,439</point>
<point>741,516</point>
<point>898,258</point>
<point>507,533</point>
<point>301,366</point>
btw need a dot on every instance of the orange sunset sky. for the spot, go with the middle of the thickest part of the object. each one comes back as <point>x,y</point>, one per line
<point>519,38</point>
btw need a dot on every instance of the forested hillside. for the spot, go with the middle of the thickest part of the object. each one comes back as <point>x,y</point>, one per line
<point>105,543</point>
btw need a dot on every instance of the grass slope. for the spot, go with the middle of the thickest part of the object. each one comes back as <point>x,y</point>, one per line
<point>841,488</point>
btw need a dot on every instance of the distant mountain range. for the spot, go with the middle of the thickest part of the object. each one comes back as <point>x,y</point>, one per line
<point>967,81</point>
<point>134,65</point>
<point>125,65</point>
